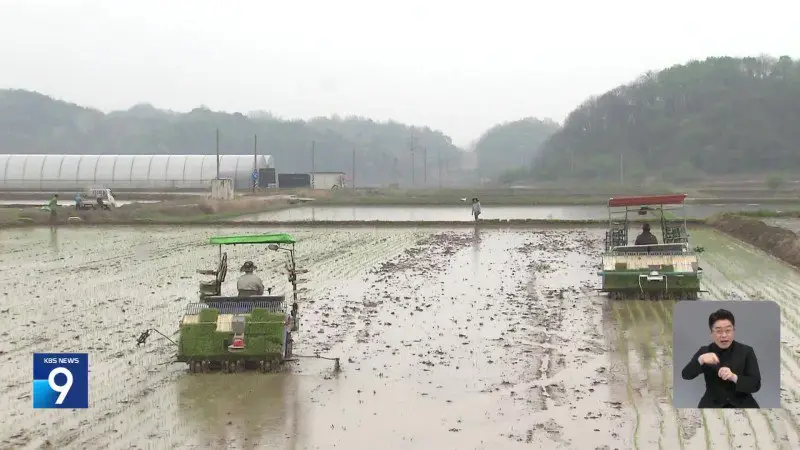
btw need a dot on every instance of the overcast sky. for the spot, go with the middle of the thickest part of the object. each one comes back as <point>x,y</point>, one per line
<point>458,66</point>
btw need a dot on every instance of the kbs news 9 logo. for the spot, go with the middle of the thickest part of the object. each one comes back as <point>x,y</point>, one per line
<point>60,380</point>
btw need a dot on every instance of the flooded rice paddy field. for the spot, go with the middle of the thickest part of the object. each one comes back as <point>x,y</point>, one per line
<point>464,212</point>
<point>449,340</point>
<point>789,223</point>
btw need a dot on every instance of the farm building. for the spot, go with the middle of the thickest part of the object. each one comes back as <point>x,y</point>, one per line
<point>37,172</point>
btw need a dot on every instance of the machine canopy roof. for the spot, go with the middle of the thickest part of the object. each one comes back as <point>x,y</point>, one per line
<point>269,238</point>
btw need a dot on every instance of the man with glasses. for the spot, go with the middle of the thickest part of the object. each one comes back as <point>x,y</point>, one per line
<point>730,368</point>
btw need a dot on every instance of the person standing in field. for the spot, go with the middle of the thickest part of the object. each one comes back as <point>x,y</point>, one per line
<point>52,205</point>
<point>476,208</point>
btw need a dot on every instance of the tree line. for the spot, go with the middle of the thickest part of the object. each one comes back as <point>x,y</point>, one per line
<point>719,116</point>
<point>34,123</point>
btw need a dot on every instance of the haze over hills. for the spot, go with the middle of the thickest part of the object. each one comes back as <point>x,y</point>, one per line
<point>34,123</point>
<point>718,116</point>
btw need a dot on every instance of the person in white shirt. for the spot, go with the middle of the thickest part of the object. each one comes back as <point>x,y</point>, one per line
<point>476,208</point>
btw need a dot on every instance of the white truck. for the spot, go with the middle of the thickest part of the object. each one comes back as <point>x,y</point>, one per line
<point>327,180</point>
<point>96,198</point>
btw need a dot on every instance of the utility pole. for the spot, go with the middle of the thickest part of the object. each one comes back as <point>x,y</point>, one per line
<point>621,170</point>
<point>425,166</point>
<point>385,167</point>
<point>354,168</point>
<point>218,153</point>
<point>255,161</point>
<point>439,164</point>
<point>395,172</point>
<point>313,162</point>
<point>412,147</point>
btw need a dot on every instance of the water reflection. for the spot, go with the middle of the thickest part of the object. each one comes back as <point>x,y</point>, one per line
<point>253,408</point>
<point>54,239</point>
<point>476,248</point>
<point>460,213</point>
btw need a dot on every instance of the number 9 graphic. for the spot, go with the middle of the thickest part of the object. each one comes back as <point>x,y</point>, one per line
<point>63,389</point>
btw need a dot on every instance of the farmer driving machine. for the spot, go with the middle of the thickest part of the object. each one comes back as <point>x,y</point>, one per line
<point>241,332</point>
<point>666,270</point>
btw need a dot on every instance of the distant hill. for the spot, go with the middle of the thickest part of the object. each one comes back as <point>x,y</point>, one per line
<point>512,145</point>
<point>34,123</point>
<point>718,116</point>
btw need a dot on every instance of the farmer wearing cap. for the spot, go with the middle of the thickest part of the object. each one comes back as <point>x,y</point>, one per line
<point>249,283</point>
<point>646,237</point>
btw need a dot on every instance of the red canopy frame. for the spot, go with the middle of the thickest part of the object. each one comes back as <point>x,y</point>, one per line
<point>667,199</point>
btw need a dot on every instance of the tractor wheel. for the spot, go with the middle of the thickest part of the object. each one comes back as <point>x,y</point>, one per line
<point>262,366</point>
<point>191,366</point>
<point>198,368</point>
<point>205,366</point>
<point>240,366</point>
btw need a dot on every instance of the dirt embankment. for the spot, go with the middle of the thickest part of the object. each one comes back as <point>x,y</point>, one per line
<point>777,241</point>
<point>184,211</point>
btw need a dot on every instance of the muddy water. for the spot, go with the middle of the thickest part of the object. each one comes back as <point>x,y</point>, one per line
<point>790,223</point>
<point>476,339</point>
<point>463,213</point>
<point>24,203</point>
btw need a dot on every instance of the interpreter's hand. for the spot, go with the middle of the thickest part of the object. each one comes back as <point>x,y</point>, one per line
<point>726,374</point>
<point>709,358</point>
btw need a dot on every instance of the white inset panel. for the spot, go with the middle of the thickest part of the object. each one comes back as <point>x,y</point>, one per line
<point>141,168</point>
<point>122,169</point>
<point>86,168</point>
<point>14,168</point>
<point>104,171</point>
<point>158,169</point>
<point>68,169</point>
<point>51,169</point>
<point>3,165</point>
<point>192,170</point>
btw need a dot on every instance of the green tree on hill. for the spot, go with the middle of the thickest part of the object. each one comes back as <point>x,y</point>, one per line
<point>718,116</point>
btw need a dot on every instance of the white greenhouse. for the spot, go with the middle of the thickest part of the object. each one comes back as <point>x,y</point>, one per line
<point>37,172</point>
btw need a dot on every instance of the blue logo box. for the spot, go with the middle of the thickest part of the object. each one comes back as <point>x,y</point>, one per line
<point>60,380</point>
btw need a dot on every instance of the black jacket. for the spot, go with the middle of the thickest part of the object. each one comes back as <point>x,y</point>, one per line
<point>646,238</point>
<point>741,359</point>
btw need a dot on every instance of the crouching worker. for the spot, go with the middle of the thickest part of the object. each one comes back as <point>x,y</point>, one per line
<point>249,284</point>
